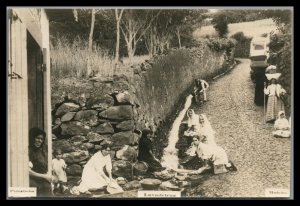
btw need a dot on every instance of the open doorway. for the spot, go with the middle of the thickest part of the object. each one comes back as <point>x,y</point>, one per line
<point>35,84</point>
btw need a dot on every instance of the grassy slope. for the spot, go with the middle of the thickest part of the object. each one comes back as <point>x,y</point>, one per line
<point>250,29</point>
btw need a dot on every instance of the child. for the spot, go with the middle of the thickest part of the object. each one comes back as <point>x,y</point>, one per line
<point>282,126</point>
<point>59,174</point>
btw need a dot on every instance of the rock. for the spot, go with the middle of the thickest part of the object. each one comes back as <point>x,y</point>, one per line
<point>78,138</point>
<point>120,78</point>
<point>167,185</point>
<point>57,121</point>
<point>63,145</point>
<point>101,103</point>
<point>127,153</point>
<point>87,146</point>
<point>74,169</point>
<point>195,179</point>
<point>83,162</point>
<point>136,139</point>
<point>104,128</point>
<point>122,112</point>
<point>77,144</point>
<point>68,116</point>
<point>54,137</point>
<point>106,141</point>
<point>103,79</point>
<point>140,168</point>
<point>74,128</point>
<point>97,147</point>
<point>82,100</point>
<point>122,168</point>
<point>164,175</point>
<point>74,180</point>
<point>123,138</point>
<point>150,184</point>
<point>121,85</point>
<point>94,137</point>
<point>125,125</point>
<point>88,117</point>
<point>66,107</point>
<point>124,98</point>
<point>132,185</point>
<point>75,157</point>
<point>56,130</point>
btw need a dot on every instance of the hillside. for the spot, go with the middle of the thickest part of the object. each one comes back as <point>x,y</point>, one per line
<point>250,29</point>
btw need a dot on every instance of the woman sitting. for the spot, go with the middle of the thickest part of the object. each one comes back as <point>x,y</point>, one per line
<point>199,125</point>
<point>206,130</point>
<point>282,126</point>
<point>211,155</point>
<point>145,153</point>
<point>93,175</point>
<point>38,163</point>
<point>192,123</point>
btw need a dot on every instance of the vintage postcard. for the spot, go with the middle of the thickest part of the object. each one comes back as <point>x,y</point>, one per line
<point>156,102</point>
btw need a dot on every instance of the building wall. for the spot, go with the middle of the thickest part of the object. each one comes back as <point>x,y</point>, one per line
<point>35,22</point>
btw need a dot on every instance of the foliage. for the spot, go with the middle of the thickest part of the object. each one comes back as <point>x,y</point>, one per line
<point>241,15</point>
<point>221,44</point>
<point>242,48</point>
<point>71,59</point>
<point>281,50</point>
<point>221,25</point>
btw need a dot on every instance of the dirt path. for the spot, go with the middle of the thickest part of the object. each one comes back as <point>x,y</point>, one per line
<point>262,160</point>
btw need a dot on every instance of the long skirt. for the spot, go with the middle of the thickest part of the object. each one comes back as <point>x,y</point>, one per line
<point>259,94</point>
<point>273,107</point>
<point>43,187</point>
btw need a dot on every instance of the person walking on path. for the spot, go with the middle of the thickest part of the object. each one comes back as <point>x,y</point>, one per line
<point>275,104</point>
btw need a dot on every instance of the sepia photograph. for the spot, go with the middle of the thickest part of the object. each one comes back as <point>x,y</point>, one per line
<point>150,103</point>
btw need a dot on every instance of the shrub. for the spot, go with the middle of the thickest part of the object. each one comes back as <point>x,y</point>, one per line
<point>242,49</point>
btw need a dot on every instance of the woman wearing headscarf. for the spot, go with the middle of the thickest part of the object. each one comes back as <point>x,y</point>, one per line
<point>282,126</point>
<point>275,104</point>
<point>206,130</point>
<point>145,153</point>
<point>38,163</point>
<point>213,154</point>
<point>201,127</point>
<point>192,123</point>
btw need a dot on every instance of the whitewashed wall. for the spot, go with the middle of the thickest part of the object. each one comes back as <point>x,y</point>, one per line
<point>36,23</point>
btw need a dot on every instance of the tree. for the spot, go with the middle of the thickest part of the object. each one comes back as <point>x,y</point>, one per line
<point>221,25</point>
<point>118,19</point>
<point>92,30</point>
<point>134,25</point>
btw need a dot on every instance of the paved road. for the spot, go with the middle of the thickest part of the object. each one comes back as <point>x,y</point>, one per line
<point>262,160</point>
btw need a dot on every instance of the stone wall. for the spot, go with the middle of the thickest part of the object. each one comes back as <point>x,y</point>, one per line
<point>88,114</point>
